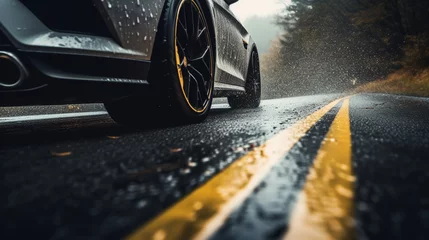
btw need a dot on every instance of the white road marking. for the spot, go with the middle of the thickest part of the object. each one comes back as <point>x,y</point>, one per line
<point>50,116</point>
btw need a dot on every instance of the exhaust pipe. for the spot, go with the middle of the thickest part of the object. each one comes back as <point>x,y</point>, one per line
<point>12,71</point>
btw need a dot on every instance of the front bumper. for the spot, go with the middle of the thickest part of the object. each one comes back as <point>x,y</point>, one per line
<point>66,67</point>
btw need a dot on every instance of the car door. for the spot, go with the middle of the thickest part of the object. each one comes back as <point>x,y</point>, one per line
<point>232,45</point>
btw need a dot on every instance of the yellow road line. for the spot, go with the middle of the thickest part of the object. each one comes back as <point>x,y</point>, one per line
<point>202,212</point>
<point>324,209</point>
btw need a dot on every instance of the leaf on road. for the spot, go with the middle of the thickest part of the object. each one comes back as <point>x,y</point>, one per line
<point>113,137</point>
<point>61,154</point>
<point>176,150</point>
<point>73,107</point>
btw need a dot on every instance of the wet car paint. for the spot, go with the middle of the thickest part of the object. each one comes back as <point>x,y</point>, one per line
<point>135,22</point>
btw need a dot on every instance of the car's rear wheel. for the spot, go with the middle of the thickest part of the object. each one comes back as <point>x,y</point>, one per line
<point>252,97</point>
<point>183,63</point>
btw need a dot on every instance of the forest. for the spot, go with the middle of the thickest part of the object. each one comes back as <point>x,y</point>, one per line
<point>347,45</point>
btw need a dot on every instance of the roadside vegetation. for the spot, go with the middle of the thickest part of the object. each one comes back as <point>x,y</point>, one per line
<point>400,82</point>
<point>342,45</point>
<point>413,77</point>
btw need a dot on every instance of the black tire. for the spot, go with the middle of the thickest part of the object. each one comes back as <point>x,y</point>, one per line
<point>252,97</point>
<point>182,72</point>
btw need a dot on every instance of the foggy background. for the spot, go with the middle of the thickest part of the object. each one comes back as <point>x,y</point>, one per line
<point>259,17</point>
<point>324,46</point>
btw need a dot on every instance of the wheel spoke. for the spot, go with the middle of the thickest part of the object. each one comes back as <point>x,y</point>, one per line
<point>202,84</point>
<point>200,89</point>
<point>196,20</point>
<point>200,32</point>
<point>185,19</point>
<point>201,99</point>
<point>201,59</point>
<point>185,30</point>
<point>190,21</point>
<point>207,50</point>
<point>194,92</point>
<point>186,82</point>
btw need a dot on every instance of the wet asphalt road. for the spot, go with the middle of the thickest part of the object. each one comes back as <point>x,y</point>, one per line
<point>89,178</point>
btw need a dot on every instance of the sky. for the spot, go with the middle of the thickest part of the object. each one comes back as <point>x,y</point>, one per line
<point>244,9</point>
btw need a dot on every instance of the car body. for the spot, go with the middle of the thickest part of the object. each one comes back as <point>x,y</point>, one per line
<point>100,50</point>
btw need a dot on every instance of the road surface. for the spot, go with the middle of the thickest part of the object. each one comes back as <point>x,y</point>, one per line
<point>315,167</point>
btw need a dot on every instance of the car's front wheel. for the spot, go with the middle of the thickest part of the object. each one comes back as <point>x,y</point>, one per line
<point>252,97</point>
<point>183,62</point>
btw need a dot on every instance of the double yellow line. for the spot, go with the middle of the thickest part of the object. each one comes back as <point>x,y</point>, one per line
<point>324,207</point>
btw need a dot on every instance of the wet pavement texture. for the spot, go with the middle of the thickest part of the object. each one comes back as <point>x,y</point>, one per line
<point>89,178</point>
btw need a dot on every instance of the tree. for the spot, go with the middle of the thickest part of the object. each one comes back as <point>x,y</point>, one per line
<point>330,45</point>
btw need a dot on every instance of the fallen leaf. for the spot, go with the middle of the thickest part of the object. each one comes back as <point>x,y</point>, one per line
<point>176,150</point>
<point>61,154</point>
<point>113,137</point>
<point>73,107</point>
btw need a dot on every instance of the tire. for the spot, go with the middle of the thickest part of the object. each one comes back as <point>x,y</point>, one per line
<point>252,97</point>
<point>183,63</point>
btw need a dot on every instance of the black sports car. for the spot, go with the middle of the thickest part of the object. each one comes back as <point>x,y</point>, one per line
<point>144,59</point>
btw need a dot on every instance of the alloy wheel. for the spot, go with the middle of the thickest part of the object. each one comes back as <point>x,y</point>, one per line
<point>194,56</point>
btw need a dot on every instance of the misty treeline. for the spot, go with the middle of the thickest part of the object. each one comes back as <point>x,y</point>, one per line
<point>335,45</point>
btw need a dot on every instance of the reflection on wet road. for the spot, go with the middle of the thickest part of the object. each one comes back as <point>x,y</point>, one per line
<point>317,167</point>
